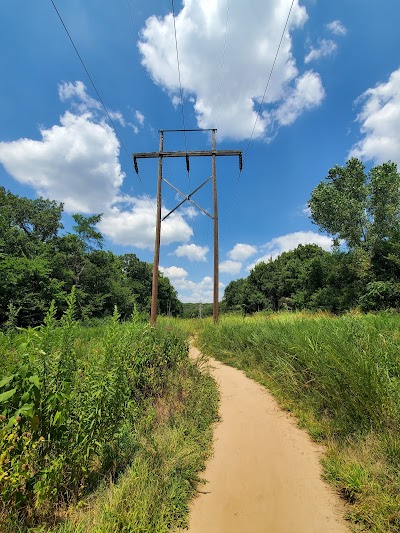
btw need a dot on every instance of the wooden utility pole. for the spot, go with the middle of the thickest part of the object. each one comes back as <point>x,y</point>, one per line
<point>156,262</point>
<point>215,202</point>
<point>214,153</point>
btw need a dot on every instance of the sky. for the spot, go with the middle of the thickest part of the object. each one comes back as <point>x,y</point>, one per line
<point>333,93</point>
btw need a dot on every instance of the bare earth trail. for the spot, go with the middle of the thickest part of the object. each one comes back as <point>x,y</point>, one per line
<point>265,475</point>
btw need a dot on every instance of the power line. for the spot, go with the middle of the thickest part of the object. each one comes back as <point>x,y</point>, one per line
<point>259,107</point>
<point>93,85</point>
<point>179,69</point>
<point>270,75</point>
<point>223,62</point>
<point>101,100</point>
<point>180,87</point>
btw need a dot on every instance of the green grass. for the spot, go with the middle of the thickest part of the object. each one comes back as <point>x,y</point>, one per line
<point>341,377</point>
<point>103,428</point>
<point>152,495</point>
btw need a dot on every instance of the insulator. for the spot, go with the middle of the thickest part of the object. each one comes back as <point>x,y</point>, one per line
<point>187,164</point>
<point>240,162</point>
<point>136,166</point>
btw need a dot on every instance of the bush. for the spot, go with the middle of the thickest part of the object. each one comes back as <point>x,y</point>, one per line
<point>68,403</point>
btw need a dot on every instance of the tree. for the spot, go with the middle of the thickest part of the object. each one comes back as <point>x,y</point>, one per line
<point>28,232</point>
<point>26,225</point>
<point>362,210</point>
<point>37,265</point>
<point>86,231</point>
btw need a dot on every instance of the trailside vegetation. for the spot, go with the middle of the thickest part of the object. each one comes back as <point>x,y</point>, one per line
<point>101,428</point>
<point>361,211</point>
<point>341,377</point>
<point>39,263</point>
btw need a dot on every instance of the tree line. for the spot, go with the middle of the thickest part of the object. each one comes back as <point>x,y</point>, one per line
<point>361,211</point>
<point>39,263</point>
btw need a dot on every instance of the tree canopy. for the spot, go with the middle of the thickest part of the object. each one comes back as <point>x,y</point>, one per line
<point>39,264</point>
<point>362,213</point>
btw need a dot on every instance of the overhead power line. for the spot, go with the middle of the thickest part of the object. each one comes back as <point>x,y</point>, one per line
<point>270,74</point>
<point>93,84</point>
<point>180,89</point>
<point>259,108</point>
<point>223,62</point>
<point>179,69</point>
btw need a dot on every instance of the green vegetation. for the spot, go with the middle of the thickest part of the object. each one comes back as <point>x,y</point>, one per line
<point>39,264</point>
<point>341,377</point>
<point>118,408</point>
<point>104,425</point>
<point>198,310</point>
<point>362,213</point>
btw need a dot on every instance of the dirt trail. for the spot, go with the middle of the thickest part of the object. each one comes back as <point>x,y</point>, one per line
<point>264,476</point>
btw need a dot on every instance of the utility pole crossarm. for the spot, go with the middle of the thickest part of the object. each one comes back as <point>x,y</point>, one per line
<point>160,155</point>
<point>193,153</point>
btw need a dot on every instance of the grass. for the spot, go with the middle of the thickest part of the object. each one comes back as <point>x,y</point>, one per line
<point>103,428</point>
<point>152,495</point>
<point>341,377</point>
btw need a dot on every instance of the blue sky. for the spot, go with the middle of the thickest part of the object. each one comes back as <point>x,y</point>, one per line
<point>334,92</point>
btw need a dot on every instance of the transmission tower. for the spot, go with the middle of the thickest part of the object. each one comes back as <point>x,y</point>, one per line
<point>160,155</point>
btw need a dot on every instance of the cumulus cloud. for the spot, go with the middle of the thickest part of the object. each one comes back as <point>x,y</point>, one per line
<point>190,212</point>
<point>326,47</point>
<point>193,252</point>
<point>379,121</point>
<point>284,243</point>
<point>233,95</point>
<point>337,27</point>
<point>76,162</point>
<point>174,273</point>
<point>308,92</point>
<point>230,267</point>
<point>135,226</point>
<point>241,252</point>
<point>77,93</point>
<point>190,291</point>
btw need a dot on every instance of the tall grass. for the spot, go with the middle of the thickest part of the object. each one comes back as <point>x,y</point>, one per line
<point>341,377</point>
<point>102,428</point>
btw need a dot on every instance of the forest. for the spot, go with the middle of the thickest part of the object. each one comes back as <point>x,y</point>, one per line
<point>361,212</point>
<point>39,264</point>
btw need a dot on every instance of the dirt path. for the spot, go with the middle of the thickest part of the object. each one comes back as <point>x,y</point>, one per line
<point>264,476</point>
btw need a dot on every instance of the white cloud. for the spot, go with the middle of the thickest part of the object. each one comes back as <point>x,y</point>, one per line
<point>230,267</point>
<point>203,291</point>
<point>76,162</point>
<point>139,117</point>
<point>117,116</point>
<point>277,246</point>
<point>174,273</point>
<point>306,210</point>
<point>307,93</point>
<point>325,48</point>
<point>337,28</point>
<point>380,122</point>
<point>241,252</point>
<point>193,252</point>
<point>190,212</point>
<point>136,226</point>
<point>78,94</point>
<point>234,94</point>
